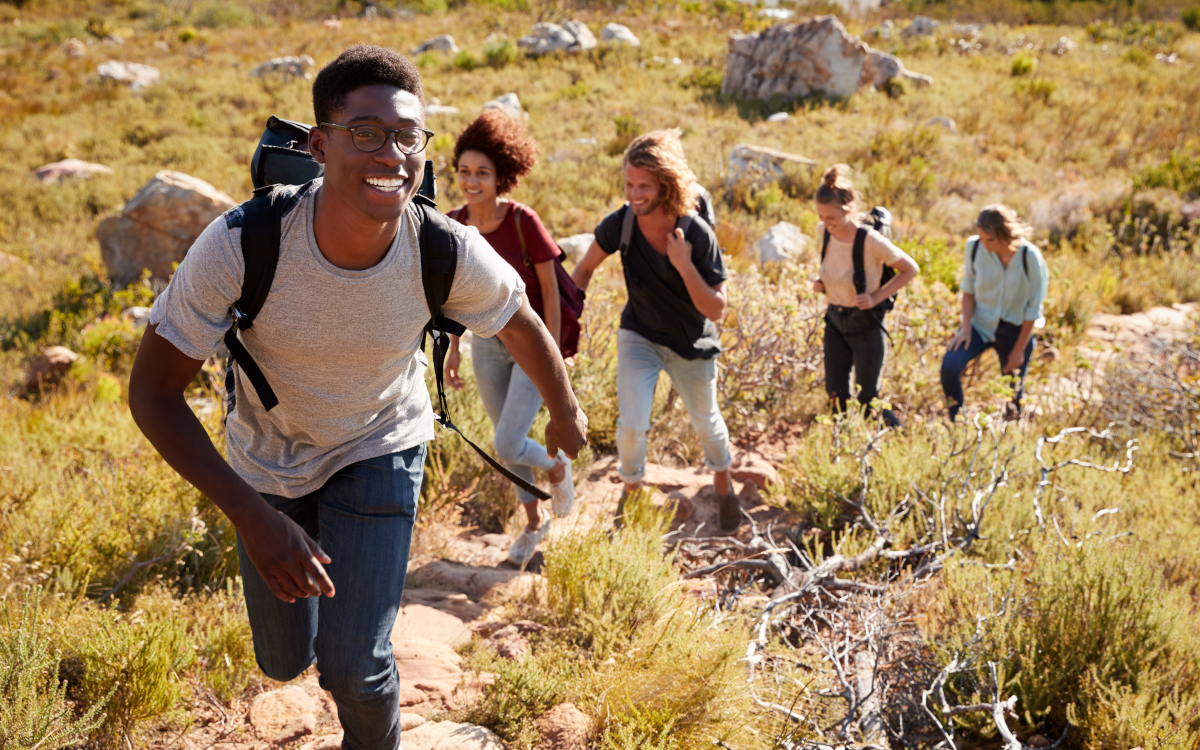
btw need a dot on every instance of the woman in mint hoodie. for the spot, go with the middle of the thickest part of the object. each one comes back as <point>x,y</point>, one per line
<point>1004,285</point>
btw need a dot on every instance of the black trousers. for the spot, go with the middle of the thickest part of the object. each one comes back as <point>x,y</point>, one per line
<point>854,340</point>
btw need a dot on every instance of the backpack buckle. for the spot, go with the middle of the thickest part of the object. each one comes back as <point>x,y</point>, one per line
<point>238,317</point>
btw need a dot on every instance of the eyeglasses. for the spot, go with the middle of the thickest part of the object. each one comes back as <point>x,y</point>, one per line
<point>371,138</point>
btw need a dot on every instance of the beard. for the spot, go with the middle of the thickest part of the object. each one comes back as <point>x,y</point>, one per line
<point>647,209</point>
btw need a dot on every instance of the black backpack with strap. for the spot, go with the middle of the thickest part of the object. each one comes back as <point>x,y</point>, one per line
<point>262,219</point>
<point>880,219</point>
<point>683,222</point>
<point>1024,256</point>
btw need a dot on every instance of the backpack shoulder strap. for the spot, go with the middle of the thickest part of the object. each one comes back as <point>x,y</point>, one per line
<point>627,229</point>
<point>824,243</point>
<point>517,210</point>
<point>1025,259</point>
<point>439,259</point>
<point>974,251</point>
<point>685,223</point>
<point>262,219</point>
<point>860,268</point>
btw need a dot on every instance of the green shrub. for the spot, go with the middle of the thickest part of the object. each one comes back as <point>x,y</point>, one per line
<point>79,302</point>
<point>135,659</point>
<point>1037,90</point>
<point>188,34</point>
<point>938,261</point>
<point>222,14</point>
<point>1180,172</point>
<point>1135,56</point>
<point>1191,18</point>
<point>628,128</point>
<point>34,711</point>
<point>706,80</point>
<point>1023,63</point>
<point>500,52</point>
<point>464,60</point>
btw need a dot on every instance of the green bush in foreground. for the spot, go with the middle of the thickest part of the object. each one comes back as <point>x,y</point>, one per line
<point>34,711</point>
<point>1191,18</point>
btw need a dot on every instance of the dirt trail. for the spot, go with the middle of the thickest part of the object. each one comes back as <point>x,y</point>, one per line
<point>445,603</point>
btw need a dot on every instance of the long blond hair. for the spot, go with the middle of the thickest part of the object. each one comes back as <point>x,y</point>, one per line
<point>661,152</point>
<point>1002,222</point>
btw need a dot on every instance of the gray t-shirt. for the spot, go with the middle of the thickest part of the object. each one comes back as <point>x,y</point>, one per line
<point>338,347</point>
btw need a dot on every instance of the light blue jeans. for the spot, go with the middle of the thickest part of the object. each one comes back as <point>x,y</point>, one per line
<point>363,518</point>
<point>512,402</point>
<point>695,380</point>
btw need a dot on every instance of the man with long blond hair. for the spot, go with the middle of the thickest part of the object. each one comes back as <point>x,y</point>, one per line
<point>675,277</point>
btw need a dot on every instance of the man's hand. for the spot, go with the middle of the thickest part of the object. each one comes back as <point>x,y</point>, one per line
<point>290,562</point>
<point>1016,358</point>
<point>570,436</point>
<point>864,301</point>
<point>960,340</point>
<point>818,285</point>
<point>679,251</point>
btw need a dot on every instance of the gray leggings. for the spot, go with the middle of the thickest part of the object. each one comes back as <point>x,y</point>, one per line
<point>854,339</point>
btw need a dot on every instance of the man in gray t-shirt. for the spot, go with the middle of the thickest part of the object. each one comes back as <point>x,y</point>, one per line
<point>322,488</point>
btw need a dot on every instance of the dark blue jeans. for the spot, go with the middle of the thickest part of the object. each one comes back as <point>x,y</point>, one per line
<point>363,518</point>
<point>956,361</point>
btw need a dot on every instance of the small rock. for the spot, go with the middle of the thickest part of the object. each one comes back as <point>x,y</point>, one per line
<point>944,122</point>
<point>74,48</point>
<point>162,46</point>
<point>1049,354</point>
<point>112,40</point>
<point>529,626</point>
<point>764,165</point>
<point>513,647</point>
<point>332,24</point>
<point>291,65</point>
<point>921,26</point>
<point>271,712</point>
<point>439,109</point>
<point>301,726</point>
<point>753,468</point>
<point>443,43</point>
<point>69,169</point>
<point>509,103</point>
<point>779,117</point>
<point>410,721</point>
<point>140,316</point>
<point>1189,211</point>
<point>1062,46</point>
<point>551,37</point>
<point>564,727</point>
<point>1039,740</point>
<point>782,242</point>
<point>576,246</point>
<point>448,735</point>
<point>618,34</point>
<point>325,742</point>
<point>781,14</point>
<point>49,367</point>
<point>137,75</point>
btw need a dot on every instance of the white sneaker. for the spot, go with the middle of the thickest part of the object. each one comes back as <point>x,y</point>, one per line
<point>522,549</point>
<point>562,493</point>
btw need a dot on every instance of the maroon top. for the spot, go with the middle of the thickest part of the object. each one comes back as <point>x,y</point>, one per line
<point>538,243</point>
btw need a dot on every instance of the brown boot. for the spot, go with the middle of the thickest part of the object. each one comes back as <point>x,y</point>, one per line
<point>729,513</point>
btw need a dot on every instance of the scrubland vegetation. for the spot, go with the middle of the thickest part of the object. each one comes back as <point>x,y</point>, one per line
<point>120,596</point>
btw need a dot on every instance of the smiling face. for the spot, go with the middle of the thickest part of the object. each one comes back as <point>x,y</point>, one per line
<point>643,190</point>
<point>833,216</point>
<point>477,177</point>
<point>991,242</point>
<point>380,184</point>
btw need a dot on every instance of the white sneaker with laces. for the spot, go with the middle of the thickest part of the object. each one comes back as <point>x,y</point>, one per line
<point>562,493</point>
<point>523,548</point>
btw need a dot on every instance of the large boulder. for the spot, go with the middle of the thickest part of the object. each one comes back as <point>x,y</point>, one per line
<point>571,36</point>
<point>782,242</point>
<point>564,727</point>
<point>448,735</point>
<point>508,102</point>
<point>760,164</point>
<point>271,712</point>
<point>798,60</point>
<point>155,229</point>
<point>576,246</point>
<point>68,169</point>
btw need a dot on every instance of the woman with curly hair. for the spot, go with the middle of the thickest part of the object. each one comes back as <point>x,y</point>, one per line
<point>491,155</point>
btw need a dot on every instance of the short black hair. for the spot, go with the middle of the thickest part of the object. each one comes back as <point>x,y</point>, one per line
<point>358,66</point>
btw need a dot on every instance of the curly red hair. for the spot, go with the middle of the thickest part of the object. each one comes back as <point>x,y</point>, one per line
<point>503,139</point>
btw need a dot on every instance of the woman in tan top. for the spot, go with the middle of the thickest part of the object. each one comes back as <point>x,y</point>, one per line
<point>854,334</point>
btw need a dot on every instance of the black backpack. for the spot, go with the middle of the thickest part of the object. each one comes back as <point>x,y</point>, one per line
<point>279,161</point>
<point>880,219</point>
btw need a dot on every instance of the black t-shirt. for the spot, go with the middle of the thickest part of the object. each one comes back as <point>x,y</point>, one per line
<point>660,308</point>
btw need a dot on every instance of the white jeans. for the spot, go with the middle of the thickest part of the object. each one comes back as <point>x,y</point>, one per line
<point>512,402</point>
<point>695,380</point>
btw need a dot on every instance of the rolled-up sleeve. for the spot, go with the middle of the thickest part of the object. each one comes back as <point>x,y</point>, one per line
<point>193,311</point>
<point>1039,283</point>
<point>968,278</point>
